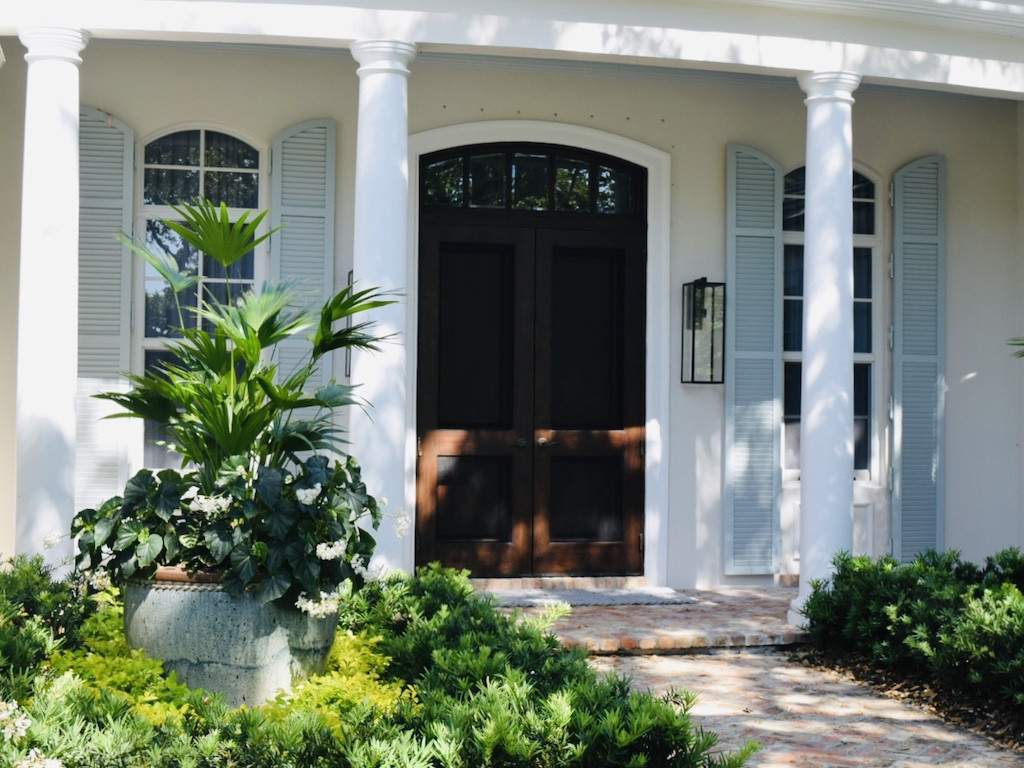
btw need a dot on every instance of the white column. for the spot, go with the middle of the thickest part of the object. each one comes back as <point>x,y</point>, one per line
<point>380,439</point>
<point>826,427</point>
<point>48,291</point>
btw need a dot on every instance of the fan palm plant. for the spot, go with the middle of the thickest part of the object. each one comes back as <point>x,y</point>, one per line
<point>256,501</point>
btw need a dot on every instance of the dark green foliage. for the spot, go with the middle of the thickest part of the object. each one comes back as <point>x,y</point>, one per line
<point>263,537</point>
<point>501,692</point>
<point>938,617</point>
<point>425,674</point>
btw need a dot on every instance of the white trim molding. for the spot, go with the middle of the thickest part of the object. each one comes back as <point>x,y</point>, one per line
<point>659,296</point>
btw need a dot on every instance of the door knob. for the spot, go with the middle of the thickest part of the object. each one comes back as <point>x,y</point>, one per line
<point>542,441</point>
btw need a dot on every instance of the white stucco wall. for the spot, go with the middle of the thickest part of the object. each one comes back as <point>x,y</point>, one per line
<point>692,116</point>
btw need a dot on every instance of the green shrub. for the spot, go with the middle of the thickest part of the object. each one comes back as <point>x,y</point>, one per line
<point>937,616</point>
<point>424,673</point>
<point>106,664</point>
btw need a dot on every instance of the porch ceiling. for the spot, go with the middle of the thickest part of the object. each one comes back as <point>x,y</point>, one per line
<point>968,45</point>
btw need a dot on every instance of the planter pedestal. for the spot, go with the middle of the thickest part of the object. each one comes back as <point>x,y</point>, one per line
<point>229,645</point>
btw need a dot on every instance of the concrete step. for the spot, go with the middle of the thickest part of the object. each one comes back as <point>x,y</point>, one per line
<point>560,582</point>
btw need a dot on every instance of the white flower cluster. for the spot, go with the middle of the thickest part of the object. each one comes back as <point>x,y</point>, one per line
<point>403,522</point>
<point>308,496</point>
<point>331,550</point>
<point>327,604</point>
<point>53,540</point>
<point>210,505</point>
<point>100,580</point>
<point>35,759</point>
<point>13,722</point>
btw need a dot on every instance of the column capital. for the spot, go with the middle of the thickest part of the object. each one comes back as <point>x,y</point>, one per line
<point>829,86</point>
<point>383,56</point>
<point>53,43</point>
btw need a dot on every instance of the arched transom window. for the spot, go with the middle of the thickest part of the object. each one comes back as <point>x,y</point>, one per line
<point>865,245</point>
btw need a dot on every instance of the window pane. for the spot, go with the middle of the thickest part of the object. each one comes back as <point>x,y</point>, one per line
<point>157,456</point>
<point>861,413</point>
<point>863,218</point>
<point>861,444</point>
<point>161,312</point>
<point>223,151</point>
<point>792,325</point>
<point>530,182</point>
<point>167,187</point>
<point>487,181</point>
<point>862,273</point>
<point>181,148</point>
<point>791,390</point>
<point>791,415</point>
<point>862,389</point>
<point>443,183</point>
<point>794,183</point>
<point>236,190</point>
<point>862,326</point>
<point>863,187</point>
<point>793,214</point>
<point>219,292</point>
<point>240,270</point>
<point>572,185</point>
<point>614,191</point>
<point>793,280</point>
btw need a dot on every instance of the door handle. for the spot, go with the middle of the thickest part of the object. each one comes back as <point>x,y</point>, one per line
<point>542,441</point>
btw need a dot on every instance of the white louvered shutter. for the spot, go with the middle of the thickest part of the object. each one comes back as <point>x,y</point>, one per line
<point>302,204</point>
<point>753,378</point>
<point>919,294</point>
<point>106,151</point>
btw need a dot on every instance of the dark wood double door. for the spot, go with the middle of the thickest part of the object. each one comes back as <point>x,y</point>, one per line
<point>531,396</point>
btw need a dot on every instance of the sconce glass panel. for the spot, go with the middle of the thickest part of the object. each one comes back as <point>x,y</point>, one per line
<point>703,360</point>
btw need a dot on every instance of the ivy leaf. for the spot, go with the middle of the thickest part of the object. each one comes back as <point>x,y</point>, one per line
<point>280,521</point>
<point>243,565</point>
<point>268,486</point>
<point>128,535</point>
<point>171,546</point>
<point>168,496</point>
<point>137,490</point>
<point>101,532</point>
<point>316,470</point>
<point>218,541</point>
<point>272,587</point>
<point>149,550</point>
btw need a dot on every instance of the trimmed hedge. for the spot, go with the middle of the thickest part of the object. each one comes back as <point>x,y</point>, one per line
<point>940,617</point>
<point>424,674</point>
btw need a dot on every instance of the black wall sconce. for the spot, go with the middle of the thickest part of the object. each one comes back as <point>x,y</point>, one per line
<point>703,332</point>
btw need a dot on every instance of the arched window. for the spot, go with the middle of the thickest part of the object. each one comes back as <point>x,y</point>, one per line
<point>865,247</point>
<point>182,167</point>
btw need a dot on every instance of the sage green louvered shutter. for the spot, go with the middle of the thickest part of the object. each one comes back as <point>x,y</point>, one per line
<point>106,150</point>
<point>919,298</point>
<point>753,378</point>
<point>302,204</point>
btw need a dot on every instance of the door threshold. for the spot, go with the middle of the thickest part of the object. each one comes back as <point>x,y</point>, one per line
<point>559,582</point>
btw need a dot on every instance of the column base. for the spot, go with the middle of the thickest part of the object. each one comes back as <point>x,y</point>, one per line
<point>794,615</point>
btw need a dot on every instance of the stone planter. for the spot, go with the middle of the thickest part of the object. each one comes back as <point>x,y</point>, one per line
<point>231,645</point>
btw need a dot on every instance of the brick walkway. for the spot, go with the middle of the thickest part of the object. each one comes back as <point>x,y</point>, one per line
<point>806,717</point>
<point>720,619</point>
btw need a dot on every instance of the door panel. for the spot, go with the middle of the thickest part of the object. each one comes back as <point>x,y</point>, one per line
<point>475,402</point>
<point>588,402</point>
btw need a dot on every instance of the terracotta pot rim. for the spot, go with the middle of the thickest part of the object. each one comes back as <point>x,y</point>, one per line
<point>179,575</point>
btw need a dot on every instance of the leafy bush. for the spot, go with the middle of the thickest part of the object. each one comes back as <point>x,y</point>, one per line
<point>424,674</point>
<point>937,616</point>
<point>253,507</point>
